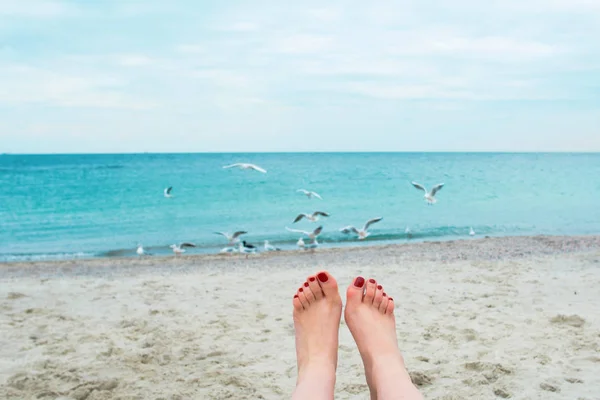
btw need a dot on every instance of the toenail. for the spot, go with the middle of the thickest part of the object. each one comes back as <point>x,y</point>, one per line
<point>312,279</point>
<point>301,290</point>
<point>372,280</point>
<point>379,287</point>
<point>305,284</point>
<point>323,277</point>
<point>384,295</point>
<point>359,281</point>
<point>295,296</point>
<point>391,299</point>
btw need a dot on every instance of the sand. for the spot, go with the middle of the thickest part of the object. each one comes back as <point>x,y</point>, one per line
<point>479,319</point>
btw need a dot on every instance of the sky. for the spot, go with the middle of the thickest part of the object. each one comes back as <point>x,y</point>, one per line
<point>118,76</point>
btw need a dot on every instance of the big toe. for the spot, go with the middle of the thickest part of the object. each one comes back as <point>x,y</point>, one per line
<point>328,284</point>
<point>354,294</point>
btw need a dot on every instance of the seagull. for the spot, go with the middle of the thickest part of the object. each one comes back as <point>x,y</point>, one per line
<point>471,232</point>
<point>429,196</point>
<point>140,250</point>
<point>229,250</point>
<point>309,194</point>
<point>246,166</point>
<point>311,235</point>
<point>180,248</point>
<point>270,247</point>
<point>408,232</point>
<point>313,245</point>
<point>246,248</point>
<point>235,238</point>
<point>168,191</point>
<point>364,232</point>
<point>300,243</point>
<point>314,217</point>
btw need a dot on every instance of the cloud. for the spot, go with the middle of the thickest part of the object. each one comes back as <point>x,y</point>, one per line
<point>36,9</point>
<point>303,44</point>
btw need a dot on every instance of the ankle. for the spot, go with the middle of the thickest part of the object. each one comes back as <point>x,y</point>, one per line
<point>317,367</point>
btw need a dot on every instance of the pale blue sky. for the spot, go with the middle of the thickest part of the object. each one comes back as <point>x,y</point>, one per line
<point>194,76</point>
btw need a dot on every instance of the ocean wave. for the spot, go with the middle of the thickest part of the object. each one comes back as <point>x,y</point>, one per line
<point>45,256</point>
<point>51,168</point>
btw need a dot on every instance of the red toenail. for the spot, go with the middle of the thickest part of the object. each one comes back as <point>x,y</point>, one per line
<point>372,280</point>
<point>323,277</point>
<point>384,295</point>
<point>312,279</point>
<point>359,282</point>
<point>305,284</point>
<point>295,296</point>
<point>301,290</point>
<point>391,299</point>
<point>379,287</point>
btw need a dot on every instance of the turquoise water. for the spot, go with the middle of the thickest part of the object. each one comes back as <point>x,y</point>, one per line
<point>66,206</point>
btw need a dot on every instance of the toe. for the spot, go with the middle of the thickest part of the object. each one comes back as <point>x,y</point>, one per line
<point>328,284</point>
<point>378,296</point>
<point>297,303</point>
<point>370,291</point>
<point>354,294</point>
<point>390,306</point>
<point>384,302</point>
<point>303,298</point>
<point>308,293</point>
<point>315,288</point>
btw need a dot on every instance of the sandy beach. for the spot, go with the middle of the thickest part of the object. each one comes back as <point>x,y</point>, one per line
<point>514,317</point>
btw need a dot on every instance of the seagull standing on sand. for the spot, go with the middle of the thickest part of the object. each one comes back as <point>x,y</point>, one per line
<point>429,196</point>
<point>408,232</point>
<point>246,166</point>
<point>180,248</point>
<point>311,235</point>
<point>247,248</point>
<point>364,232</point>
<point>167,192</point>
<point>314,217</point>
<point>300,243</point>
<point>140,250</point>
<point>471,232</point>
<point>233,239</point>
<point>270,247</point>
<point>309,194</point>
<point>229,250</point>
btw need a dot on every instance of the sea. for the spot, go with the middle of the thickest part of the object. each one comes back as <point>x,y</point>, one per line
<point>89,206</point>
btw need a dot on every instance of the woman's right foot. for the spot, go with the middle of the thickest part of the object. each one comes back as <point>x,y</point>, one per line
<point>369,315</point>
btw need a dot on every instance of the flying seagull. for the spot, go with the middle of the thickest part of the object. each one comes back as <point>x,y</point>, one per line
<point>429,196</point>
<point>312,245</point>
<point>364,232</point>
<point>314,217</point>
<point>309,194</point>
<point>168,191</point>
<point>180,248</point>
<point>246,166</point>
<point>270,247</point>
<point>311,235</point>
<point>232,238</point>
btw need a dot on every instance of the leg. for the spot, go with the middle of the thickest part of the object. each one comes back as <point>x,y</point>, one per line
<point>317,314</point>
<point>369,315</point>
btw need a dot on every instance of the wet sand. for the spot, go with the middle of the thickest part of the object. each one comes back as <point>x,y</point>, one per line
<point>483,319</point>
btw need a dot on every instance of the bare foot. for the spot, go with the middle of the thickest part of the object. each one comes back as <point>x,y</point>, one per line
<point>317,314</point>
<point>370,317</point>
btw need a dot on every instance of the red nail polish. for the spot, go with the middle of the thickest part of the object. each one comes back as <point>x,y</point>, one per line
<point>305,284</point>
<point>379,287</point>
<point>323,277</point>
<point>391,299</point>
<point>359,281</point>
<point>312,279</point>
<point>295,296</point>
<point>384,295</point>
<point>371,280</point>
<point>301,290</point>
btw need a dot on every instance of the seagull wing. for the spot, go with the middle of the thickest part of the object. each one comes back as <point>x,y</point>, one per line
<point>182,245</point>
<point>232,165</point>
<point>222,234</point>
<point>299,217</point>
<point>371,222</point>
<point>317,195</point>
<point>419,186</point>
<point>321,213</point>
<point>257,168</point>
<point>168,190</point>
<point>349,229</point>
<point>436,188</point>
<point>304,191</point>
<point>297,231</point>
<point>238,234</point>
<point>318,231</point>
